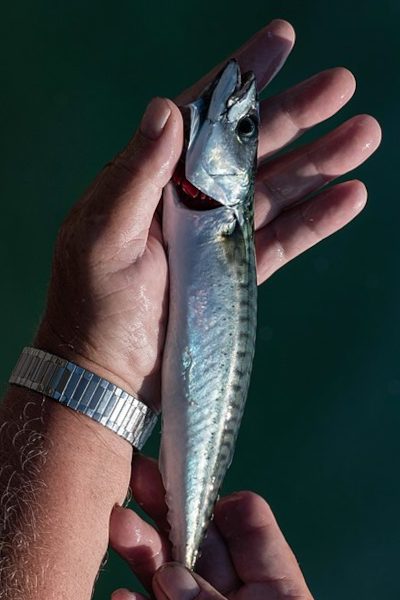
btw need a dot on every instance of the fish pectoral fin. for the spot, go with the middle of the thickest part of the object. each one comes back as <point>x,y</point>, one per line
<point>228,227</point>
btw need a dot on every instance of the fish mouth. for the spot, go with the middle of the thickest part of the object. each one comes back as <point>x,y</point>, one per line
<point>188,194</point>
<point>197,181</point>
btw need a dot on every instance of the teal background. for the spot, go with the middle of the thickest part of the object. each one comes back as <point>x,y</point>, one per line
<point>320,438</point>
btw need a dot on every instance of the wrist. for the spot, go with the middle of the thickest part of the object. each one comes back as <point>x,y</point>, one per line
<point>85,392</point>
<point>49,340</point>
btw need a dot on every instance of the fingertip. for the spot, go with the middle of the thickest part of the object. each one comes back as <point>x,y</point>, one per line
<point>158,114</point>
<point>174,124</point>
<point>346,195</point>
<point>155,119</point>
<point>175,110</point>
<point>122,526</point>
<point>124,594</point>
<point>345,81</point>
<point>359,186</point>
<point>358,190</point>
<point>242,510</point>
<point>334,207</point>
<point>371,131</point>
<point>243,496</point>
<point>147,486</point>
<point>375,127</point>
<point>151,155</point>
<point>344,73</point>
<point>172,581</point>
<point>138,543</point>
<point>129,533</point>
<point>170,145</point>
<point>282,28</point>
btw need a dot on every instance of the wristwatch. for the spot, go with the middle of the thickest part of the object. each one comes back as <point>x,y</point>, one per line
<point>85,392</point>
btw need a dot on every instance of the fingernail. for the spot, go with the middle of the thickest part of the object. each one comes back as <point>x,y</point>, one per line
<point>176,582</point>
<point>122,594</point>
<point>155,118</point>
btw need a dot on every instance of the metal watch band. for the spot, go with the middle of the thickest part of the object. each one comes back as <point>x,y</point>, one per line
<point>85,392</point>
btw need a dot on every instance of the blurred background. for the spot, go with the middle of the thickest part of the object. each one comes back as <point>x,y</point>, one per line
<point>320,438</point>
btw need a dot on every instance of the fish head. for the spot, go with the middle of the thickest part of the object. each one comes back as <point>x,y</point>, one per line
<point>222,138</point>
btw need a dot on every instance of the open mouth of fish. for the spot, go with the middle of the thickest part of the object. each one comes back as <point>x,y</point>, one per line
<point>188,194</point>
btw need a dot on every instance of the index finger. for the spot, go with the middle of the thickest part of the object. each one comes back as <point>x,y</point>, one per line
<point>265,53</point>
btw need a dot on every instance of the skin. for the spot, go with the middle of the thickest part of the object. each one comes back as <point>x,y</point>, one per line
<point>111,316</point>
<point>245,555</point>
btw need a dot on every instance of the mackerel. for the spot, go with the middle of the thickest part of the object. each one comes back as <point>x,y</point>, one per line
<point>209,234</point>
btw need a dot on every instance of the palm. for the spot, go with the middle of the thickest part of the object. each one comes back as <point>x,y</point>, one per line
<point>139,328</point>
<point>114,309</point>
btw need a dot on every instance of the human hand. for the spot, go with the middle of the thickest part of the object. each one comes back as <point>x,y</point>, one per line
<point>245,555</point>
<point>107,306</point>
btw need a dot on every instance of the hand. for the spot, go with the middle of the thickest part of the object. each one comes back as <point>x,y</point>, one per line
<point>245,555</point>
<point>108,307</point>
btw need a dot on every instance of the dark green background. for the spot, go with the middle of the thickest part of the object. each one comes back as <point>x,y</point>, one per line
<point>320,437</point>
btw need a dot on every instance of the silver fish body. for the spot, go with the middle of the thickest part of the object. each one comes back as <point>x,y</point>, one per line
<point>212,316</point>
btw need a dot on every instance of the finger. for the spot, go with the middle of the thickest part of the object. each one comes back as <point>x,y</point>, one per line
<point>301,227</point>
<point>259,551</point>
<point>174,582</point>
<point>138,543</point>
<point>288,179</point>
<point>288,115</point>
<point>265,53</point>
<point>148,489</point>
<point>123,594</point>
<point>121,202</point>
<point>215,563</point>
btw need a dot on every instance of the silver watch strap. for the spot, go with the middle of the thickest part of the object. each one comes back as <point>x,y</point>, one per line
<point>85,392</point>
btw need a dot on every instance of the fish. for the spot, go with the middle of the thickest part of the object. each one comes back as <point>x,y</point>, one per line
<point>208,228</point>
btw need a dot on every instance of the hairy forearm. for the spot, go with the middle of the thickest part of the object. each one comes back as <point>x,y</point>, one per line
<point>60,476</point>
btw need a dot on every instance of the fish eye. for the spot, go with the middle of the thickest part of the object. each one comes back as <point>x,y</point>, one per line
<point>246,127</point>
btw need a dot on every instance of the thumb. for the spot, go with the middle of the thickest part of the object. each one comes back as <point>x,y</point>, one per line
<point>125,195</point>
<point>124,594</point>
<point>174,582</point>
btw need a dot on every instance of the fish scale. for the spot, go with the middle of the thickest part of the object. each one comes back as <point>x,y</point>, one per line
<point>210,340</point>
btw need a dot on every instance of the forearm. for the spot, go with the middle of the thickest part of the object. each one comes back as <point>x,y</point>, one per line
<point>60,476</point>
